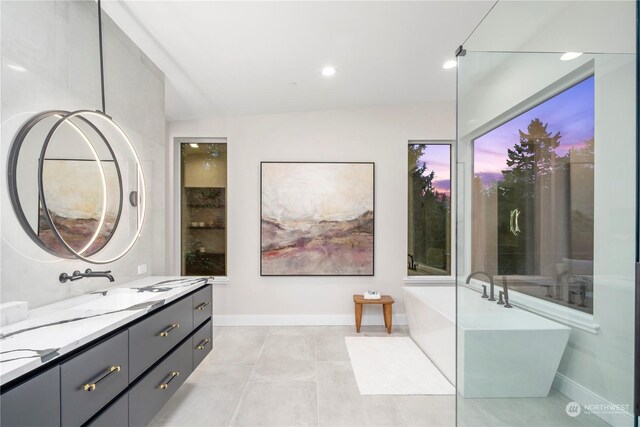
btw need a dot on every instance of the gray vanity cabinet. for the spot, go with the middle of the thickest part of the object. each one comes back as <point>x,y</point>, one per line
<point>202,306</point>
<point>148,396</point>
<point>125,378</point>
<point>152,338</point>
<point>93,378</point>
<point>34,403</point>
<point>202,343</point>
<point>116,415</point>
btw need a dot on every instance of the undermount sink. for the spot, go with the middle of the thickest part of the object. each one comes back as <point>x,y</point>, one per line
<point>113,301</point>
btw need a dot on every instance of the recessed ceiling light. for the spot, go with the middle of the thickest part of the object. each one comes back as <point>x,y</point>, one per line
<point>449,64</point>
<point>328,71</point>
<point>193,145</point>
<point>570,55</point>
<point>16,67</point>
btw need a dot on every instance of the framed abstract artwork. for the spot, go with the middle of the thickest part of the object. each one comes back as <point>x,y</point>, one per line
<point>317,219</point>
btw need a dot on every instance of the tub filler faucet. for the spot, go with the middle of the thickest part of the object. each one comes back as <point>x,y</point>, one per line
<point>491,290</point>
<point>504,292</point>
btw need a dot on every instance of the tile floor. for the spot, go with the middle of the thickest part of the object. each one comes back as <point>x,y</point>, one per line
<point>301,376</point>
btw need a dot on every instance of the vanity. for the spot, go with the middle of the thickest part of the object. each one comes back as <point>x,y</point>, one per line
<point>108,358</point>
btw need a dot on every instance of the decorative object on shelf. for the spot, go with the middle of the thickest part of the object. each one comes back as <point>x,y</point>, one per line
<point>317,219</point>
<point>371,295</point>
<point>86,165</point>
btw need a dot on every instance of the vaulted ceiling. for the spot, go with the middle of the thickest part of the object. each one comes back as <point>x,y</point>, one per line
<point>241,58</point>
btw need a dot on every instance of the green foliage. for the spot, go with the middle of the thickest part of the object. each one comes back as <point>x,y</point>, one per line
<point>431,212</point>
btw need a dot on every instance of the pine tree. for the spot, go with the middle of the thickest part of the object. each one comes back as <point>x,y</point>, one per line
<point>534,156</point>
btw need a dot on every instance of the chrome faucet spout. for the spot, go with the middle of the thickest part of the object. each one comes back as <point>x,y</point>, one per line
<point>491,284</point>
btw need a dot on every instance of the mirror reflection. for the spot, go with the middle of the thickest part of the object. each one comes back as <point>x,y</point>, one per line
<point>81,188</point>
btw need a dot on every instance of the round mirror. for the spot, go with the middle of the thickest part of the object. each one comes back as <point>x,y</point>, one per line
<point>76,185</point>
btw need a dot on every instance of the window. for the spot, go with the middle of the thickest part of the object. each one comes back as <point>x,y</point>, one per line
<point>533,216</point>
<point>429,239</point>
<point>203,208</point>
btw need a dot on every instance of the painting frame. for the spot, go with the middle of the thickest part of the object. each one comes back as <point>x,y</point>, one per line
<point>358,230</point>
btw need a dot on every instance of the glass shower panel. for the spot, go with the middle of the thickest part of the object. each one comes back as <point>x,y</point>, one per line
<point>545,239</point>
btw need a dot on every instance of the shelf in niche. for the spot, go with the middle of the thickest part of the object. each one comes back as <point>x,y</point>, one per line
<point>207,254</point>
<point>206,197</point>
<point>206,227</point>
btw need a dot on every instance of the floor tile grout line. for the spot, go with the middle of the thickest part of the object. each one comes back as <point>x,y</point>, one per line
<point>246,385</point>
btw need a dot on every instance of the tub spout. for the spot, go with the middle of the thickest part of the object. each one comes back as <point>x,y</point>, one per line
<point>483,273</point>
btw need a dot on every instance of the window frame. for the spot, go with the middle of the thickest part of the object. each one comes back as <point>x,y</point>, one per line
<point>562,314</point>
<point>175,262</point>
<point>444,278</point>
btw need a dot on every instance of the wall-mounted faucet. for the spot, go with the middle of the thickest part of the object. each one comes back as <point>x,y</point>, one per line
<point>491,291</point>
<point>64,277</point>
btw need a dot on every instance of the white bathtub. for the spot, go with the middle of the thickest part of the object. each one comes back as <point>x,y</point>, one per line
<point>501,352</point>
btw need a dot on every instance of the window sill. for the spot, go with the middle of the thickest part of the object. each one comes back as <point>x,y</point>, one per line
<point>556,312</point>
<point>429,280</point>
<point>219,280</point>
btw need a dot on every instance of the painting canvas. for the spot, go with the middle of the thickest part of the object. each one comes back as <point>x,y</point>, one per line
<point>317,219</point>
<point>73,190</point>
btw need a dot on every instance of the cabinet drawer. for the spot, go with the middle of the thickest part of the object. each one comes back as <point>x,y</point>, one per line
<point>148,396</point>
<point>202,305</point>
<point>34,403</point>
<point>152,338</point>
<point>92,379</point>
<point>202,343</point>
<point>117,415</point>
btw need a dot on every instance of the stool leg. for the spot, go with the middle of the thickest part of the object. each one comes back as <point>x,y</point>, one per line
<point>358,316</point>
<point>387,316</point>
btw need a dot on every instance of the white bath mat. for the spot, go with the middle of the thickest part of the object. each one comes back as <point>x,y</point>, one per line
<point>394,365</point>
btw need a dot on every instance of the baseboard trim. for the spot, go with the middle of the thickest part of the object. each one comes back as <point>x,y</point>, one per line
<point>587,398</point>
<point>303,319</point>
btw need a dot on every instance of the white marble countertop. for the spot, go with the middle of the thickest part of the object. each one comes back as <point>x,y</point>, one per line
<point>54,330</point>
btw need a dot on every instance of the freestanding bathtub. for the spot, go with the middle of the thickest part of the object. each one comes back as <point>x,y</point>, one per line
<point>502,352</point>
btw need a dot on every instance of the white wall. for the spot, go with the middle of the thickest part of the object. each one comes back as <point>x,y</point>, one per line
<point>56,42</point>
<point>380,135</point>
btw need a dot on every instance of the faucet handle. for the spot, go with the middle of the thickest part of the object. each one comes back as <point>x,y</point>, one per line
<point>64,277</point>
<point>484,291</point>
<point>500,300</point>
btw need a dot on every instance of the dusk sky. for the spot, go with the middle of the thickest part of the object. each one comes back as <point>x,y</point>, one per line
<point>438,159</point>
<point>570,112</point>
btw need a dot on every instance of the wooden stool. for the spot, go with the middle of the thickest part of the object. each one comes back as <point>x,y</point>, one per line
<point>386,302</point>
